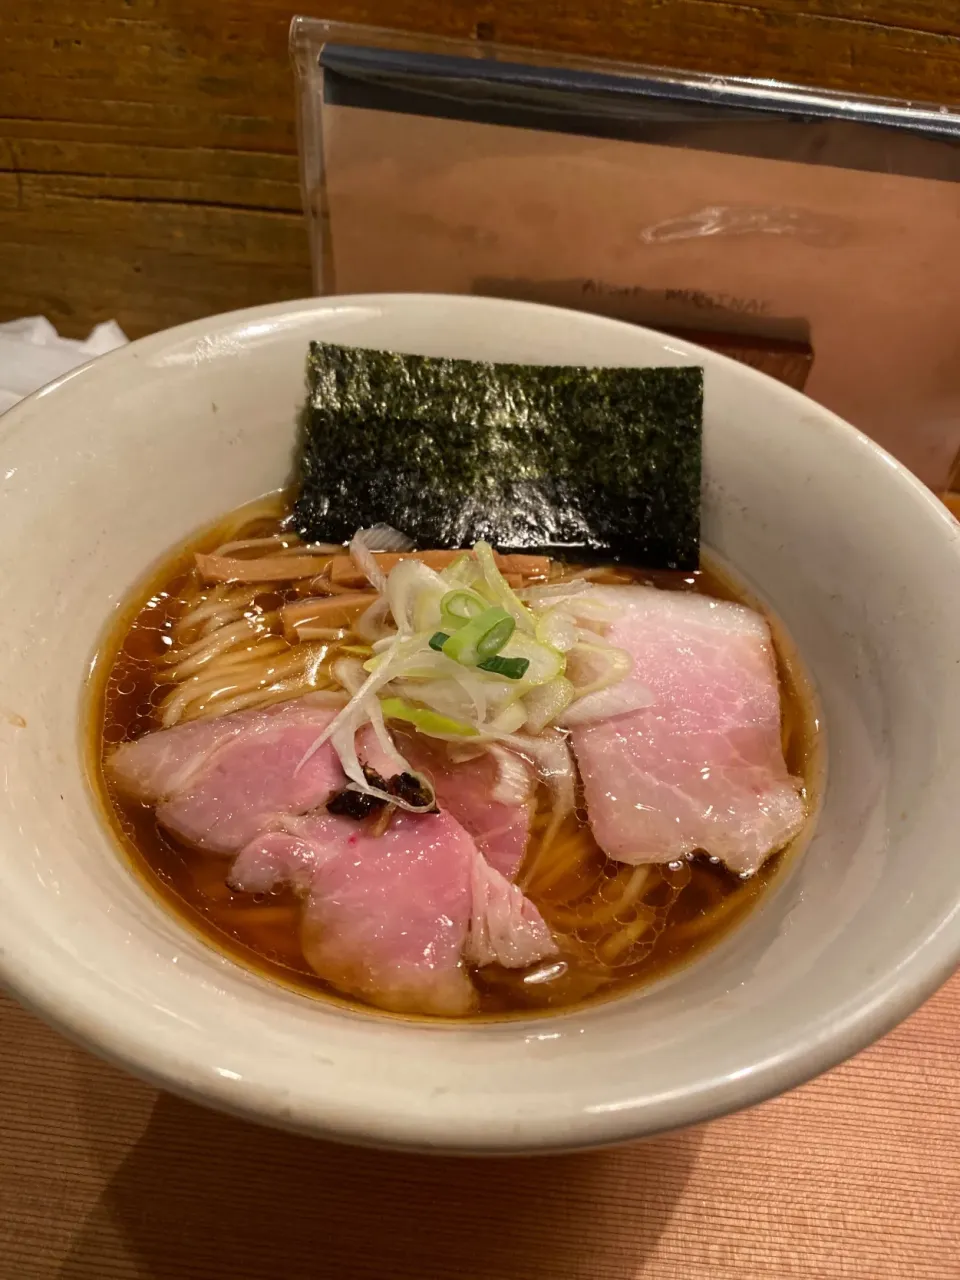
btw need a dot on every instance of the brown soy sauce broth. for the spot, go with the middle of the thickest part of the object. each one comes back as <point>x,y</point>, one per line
<point>613,931</point>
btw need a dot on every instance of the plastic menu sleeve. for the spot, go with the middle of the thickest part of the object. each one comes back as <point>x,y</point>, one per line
<point>811,235</point>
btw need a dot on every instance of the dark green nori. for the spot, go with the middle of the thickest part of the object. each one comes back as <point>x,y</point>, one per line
<point>525,456</point>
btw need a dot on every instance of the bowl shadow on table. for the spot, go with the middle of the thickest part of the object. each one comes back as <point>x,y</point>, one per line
<point>201,1195</point>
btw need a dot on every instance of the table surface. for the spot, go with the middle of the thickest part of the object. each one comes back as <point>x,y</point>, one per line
<point>854,1177</point>
<point>148,173</point>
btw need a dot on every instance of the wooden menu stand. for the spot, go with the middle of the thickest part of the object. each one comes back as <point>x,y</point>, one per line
<point>782,358</point>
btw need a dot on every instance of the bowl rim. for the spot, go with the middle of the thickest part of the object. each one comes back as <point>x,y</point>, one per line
<point>894,994</point>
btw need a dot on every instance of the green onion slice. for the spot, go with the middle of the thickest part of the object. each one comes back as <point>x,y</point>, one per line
<point>480,638</point>
<point>489,645</point>
<point>462,570</point>
<point>427,721</point>
<point>498,588</point>
<point>512,668</point>
<point>457,608</point>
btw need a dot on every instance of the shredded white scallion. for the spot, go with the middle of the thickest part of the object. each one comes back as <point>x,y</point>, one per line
<point>552,659</point>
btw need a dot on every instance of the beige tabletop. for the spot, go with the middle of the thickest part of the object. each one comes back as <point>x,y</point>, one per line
<point>856,1176</point>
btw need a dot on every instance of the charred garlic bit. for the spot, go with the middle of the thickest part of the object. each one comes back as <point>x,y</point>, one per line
<point>408,788</point>
<point>351,802</point>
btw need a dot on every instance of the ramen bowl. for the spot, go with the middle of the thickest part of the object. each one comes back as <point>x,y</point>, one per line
<point>106,470</point>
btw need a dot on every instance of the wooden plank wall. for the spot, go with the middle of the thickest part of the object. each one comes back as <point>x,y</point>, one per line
<point>147,147</point>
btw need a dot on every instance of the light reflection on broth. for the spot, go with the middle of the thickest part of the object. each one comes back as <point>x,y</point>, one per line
<point>616,925</point>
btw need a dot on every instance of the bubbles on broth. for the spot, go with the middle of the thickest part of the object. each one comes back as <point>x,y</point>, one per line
<point>615,925</point>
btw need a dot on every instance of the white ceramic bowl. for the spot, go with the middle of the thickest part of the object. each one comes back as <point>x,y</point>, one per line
<point>108,468</point>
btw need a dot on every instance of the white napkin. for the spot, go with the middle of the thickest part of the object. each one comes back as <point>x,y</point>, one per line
<point>32,354</point>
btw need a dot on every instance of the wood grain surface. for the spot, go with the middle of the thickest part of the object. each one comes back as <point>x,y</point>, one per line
<point>854,1177</point>
<point>147,147</point>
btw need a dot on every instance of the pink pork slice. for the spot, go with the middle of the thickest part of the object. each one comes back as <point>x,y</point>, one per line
<point>701,768</point>
<point>390,918</point>
<point>217,783</point>
<point>500,830</point>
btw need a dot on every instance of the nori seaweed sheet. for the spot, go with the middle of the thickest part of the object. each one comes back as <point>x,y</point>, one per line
<point>546,457</point>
